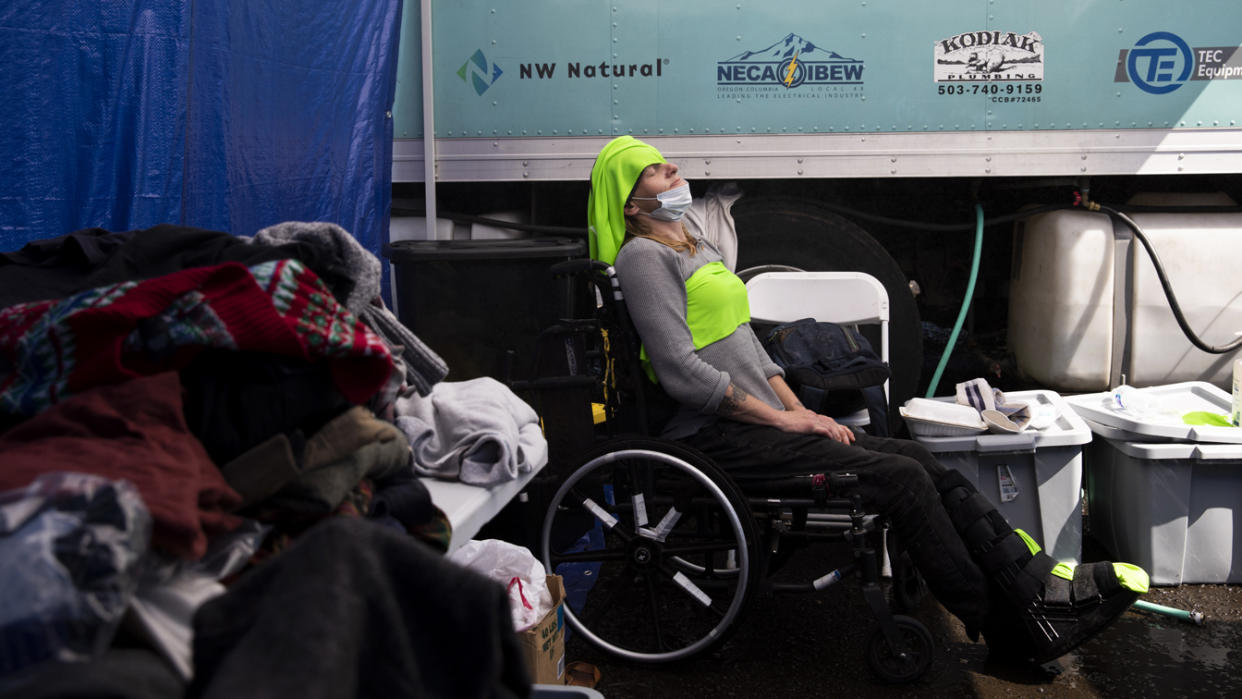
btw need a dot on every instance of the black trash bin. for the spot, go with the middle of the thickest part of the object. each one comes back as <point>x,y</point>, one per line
<point>481,304</point>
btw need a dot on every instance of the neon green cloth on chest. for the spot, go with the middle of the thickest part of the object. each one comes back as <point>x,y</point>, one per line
<point>716,304</point>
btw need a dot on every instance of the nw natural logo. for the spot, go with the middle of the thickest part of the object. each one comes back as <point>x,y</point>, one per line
<point>989,56</point>
<point>791,62</point>
<point>477,73</point>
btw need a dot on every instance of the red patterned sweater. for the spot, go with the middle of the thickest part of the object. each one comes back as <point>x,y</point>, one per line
<point>50,350</point>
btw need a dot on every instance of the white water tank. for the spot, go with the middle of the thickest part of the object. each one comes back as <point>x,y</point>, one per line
<point>1086,306</point>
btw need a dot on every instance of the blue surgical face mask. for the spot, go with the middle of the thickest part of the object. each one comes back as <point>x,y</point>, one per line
<point>673,204</point>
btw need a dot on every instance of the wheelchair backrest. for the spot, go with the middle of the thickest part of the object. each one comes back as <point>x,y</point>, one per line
<point>606,347</point>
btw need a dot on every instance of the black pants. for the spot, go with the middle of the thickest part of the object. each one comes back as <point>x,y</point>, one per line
<point>896,477</point>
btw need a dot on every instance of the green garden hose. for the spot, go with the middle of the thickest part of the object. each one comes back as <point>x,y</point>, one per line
<point>961,315</point>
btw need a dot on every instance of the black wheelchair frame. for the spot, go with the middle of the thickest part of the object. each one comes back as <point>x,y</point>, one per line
<point>663,550</point>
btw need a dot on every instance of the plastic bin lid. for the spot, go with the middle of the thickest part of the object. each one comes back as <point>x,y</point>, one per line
<point>1155,451</point>
<point>1163,422</point>
<point>1068,429</point>
<point>475,250</point>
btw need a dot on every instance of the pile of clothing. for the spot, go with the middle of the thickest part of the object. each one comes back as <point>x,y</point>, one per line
<point>183,414</point>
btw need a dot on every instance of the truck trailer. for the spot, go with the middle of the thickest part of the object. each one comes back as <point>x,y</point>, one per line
<point>866,135</point>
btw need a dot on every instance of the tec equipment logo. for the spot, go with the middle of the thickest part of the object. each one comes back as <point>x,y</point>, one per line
<point>1159,63</point>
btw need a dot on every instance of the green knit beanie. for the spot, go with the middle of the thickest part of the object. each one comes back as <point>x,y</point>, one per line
<point>616,169</point>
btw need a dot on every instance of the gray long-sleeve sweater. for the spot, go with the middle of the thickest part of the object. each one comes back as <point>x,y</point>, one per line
<point>653,278</point>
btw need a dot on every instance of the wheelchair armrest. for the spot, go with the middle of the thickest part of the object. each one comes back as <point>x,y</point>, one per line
<point>553,382</point>
<point>841,481</point>
<point>578,266</point>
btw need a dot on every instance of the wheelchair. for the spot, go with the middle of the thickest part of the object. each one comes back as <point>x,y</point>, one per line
<point>666,548</point>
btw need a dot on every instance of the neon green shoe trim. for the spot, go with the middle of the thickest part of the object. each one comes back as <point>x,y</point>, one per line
<point>1132,577</point>
<point>1061,570</point>
<point>1030,543</point>
<point>1064,570</point>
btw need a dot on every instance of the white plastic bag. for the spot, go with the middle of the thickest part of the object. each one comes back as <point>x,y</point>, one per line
<point>517,569</point>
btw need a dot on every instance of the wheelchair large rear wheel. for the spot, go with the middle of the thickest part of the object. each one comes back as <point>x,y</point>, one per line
<point>657,548</point>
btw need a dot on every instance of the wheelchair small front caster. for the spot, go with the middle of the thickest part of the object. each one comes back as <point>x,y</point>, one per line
<point>907,663</point>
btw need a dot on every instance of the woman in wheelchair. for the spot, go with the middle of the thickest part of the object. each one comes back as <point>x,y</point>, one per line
<point>691,314</point>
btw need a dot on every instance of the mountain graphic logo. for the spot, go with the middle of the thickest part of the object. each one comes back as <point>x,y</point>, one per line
<point>477,73</point>
<point>791,62</point>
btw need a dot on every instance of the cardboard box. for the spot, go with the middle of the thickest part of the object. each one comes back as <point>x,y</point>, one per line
<point>544,643</point>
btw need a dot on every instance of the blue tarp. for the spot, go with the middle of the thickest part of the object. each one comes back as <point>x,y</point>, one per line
<point>229,115</point>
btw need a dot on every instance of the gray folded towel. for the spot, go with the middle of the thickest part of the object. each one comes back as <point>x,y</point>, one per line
<point>476,431</point>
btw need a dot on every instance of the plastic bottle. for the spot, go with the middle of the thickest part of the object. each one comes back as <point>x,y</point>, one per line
<point>1236,415</point>
<point>1132,401</point>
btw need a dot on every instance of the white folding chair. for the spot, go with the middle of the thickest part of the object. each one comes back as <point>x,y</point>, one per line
<point>844,298</point>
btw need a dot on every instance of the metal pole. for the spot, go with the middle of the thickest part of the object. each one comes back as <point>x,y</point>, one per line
<point>429,125</point>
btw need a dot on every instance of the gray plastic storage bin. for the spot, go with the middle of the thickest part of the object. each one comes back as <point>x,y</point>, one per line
<point>1160,419</point>
<point>1033,477</point>
<point>1171,508</point>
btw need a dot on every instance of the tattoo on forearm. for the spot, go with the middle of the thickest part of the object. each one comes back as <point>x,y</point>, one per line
<point>732,404</point>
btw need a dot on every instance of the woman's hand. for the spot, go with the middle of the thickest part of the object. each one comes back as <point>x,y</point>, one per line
<point>738,405</point>
<point>806,421</point>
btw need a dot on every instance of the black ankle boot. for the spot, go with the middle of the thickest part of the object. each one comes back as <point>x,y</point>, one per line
<point>1040,609</point>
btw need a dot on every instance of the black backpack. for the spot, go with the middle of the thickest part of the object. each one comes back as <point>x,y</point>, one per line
<point>832,369</point>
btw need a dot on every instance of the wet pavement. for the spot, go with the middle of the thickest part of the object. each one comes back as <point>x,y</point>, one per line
<point>807,645</point>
